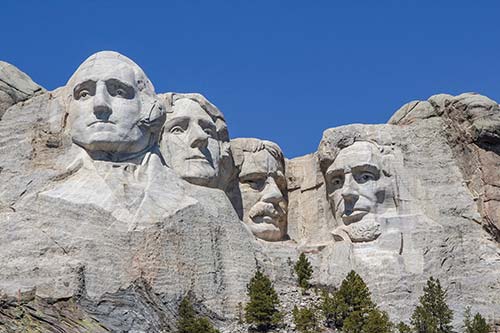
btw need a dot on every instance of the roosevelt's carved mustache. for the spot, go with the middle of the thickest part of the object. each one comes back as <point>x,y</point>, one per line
<point>266,209</point>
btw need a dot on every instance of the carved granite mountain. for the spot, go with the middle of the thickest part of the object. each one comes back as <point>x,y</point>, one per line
<point>116,202</point>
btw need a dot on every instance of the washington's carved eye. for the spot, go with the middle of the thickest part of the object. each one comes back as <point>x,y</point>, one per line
<point>176,130</point>
<point>121,92</point>
<point>83,94</point>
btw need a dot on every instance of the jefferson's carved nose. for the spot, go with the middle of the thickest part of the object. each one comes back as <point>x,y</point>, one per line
<point>198,137</point>
<point>102,106</point>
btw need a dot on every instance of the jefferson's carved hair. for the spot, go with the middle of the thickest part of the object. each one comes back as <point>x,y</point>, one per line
<point>209,108</point>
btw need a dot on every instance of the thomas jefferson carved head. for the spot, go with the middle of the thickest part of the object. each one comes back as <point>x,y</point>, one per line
<point>358,186</point>
<point>113,112</point>
<point>263,187</point>
<point>195,142</point>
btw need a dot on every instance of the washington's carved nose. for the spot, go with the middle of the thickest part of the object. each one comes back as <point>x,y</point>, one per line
<point>272,193</point>
<point>102,106</point>
<point>198,137</point>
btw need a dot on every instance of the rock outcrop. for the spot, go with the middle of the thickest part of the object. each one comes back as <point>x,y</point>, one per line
<point>116,202</point>
<point>15,86</point>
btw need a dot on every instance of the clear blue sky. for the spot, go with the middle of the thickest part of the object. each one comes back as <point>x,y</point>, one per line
<point>279,70</point>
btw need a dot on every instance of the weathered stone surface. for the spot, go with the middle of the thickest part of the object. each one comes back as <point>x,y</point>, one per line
<point>106,220</point>
<point>472,126</point>
<point>429,230</point>
<point>15,86</point>
<point>85,218</point>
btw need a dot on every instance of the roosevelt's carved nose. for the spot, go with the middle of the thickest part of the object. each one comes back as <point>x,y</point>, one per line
<point>102,103</point>
<point>199,139</point>
<point>272,193</point>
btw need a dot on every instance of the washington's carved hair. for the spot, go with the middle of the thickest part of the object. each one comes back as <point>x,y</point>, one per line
<point>143,83</point>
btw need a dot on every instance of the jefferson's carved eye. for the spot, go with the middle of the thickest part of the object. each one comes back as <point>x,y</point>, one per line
<point>337,182</point>
<point>176,130</point>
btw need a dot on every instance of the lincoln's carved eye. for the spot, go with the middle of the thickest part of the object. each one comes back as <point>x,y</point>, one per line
<point>365,177</point>
<point>209,131</point>
<point>176,130</point>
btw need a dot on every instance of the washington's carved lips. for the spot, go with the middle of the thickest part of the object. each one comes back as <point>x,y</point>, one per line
<point>101,122</point>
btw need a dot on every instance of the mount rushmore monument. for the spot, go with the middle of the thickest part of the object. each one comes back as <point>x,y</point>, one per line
<point>117,201</point>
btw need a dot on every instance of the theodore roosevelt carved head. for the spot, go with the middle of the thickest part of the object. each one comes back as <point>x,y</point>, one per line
<point>262,184</point>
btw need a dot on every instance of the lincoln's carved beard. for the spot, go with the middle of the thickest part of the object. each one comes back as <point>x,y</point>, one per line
<point>366,230</point>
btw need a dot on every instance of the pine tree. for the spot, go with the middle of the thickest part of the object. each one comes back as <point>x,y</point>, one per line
<point>432,315</point>
<point>353,297</point>
<point>477,325</point>
<point>377,321</point>
<point>333,307</point>
<point>262,309</point>
<point>350,305</point>
<point>304,271</point>
<point>403,328</point>
<point>188,322</point>
<point>305,320</point>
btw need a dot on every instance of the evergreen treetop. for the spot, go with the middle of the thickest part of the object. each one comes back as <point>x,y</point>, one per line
<point>432,315</point>
<point>351,309</point>
<point>189,322</point>
<point>305,320</point>
<point>304,271</point>
<point>476,325</point>
<point>262,308</point>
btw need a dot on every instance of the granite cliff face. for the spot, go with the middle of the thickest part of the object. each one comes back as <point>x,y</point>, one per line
<point>116,201</point>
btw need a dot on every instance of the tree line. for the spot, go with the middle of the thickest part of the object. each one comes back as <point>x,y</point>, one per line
<point>347,309</point>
